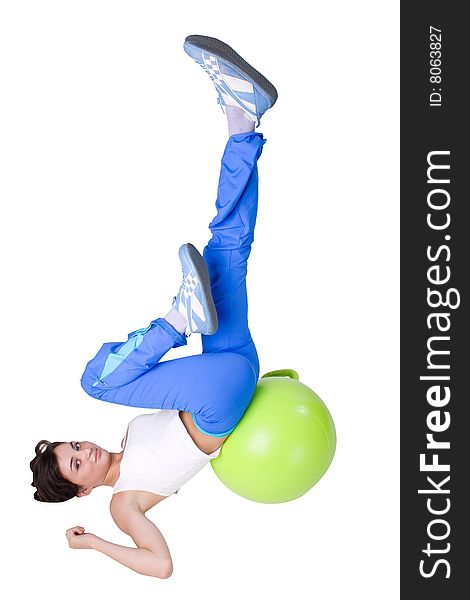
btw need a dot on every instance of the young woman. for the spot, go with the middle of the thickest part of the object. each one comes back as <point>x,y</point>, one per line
<point>201,398</point>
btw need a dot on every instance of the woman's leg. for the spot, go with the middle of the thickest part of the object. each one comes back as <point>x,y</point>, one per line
<point>228,250</point>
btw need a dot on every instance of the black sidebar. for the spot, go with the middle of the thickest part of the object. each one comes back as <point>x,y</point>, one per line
<point>435,317</point>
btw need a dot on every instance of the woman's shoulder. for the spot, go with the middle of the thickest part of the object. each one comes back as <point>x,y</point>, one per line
<point>133,499</point>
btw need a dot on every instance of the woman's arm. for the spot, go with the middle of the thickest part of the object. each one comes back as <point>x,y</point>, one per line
<point>142,560</point>
<point>151,557</point>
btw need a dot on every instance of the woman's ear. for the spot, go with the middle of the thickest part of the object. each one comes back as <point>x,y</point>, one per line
<point>84,491</point>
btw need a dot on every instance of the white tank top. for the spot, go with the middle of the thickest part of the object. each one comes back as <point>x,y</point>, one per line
<point>159,455</point>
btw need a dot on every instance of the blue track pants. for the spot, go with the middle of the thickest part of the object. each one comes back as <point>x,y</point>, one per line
<point>217,385</point>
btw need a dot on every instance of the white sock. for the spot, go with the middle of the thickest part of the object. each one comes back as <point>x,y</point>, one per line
<point>176,320</point>
<point>238,121</point>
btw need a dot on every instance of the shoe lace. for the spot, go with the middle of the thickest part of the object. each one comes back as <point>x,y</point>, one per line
<point>221,103</point>
<point>184,285</point>
<point>183,288</point>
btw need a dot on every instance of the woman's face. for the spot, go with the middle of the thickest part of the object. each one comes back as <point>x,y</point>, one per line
<point>83,463</point>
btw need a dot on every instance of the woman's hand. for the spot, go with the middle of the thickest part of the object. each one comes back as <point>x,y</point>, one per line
<point>78,539</point>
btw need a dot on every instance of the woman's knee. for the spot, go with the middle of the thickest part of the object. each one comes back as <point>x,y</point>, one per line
<point>249,353</point>
<point>245,375</point>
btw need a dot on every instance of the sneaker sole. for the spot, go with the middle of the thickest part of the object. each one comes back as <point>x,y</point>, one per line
<point>228,54</point>
<point>202,273</point>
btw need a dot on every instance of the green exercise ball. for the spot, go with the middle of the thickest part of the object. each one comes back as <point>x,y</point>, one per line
<point>283,444</point>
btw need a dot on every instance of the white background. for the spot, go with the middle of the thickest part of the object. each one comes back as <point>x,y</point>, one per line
<point>110,147</point>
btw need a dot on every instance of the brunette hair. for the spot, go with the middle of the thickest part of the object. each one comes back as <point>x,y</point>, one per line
<point>51,486</point>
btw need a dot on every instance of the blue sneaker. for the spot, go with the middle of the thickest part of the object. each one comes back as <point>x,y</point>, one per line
<point>237,82</point>
<point>194,300</point>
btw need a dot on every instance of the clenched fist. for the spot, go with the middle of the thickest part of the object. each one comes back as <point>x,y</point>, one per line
<point>78,539</point>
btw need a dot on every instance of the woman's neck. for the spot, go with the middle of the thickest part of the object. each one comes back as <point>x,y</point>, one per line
<point>113,472</point>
